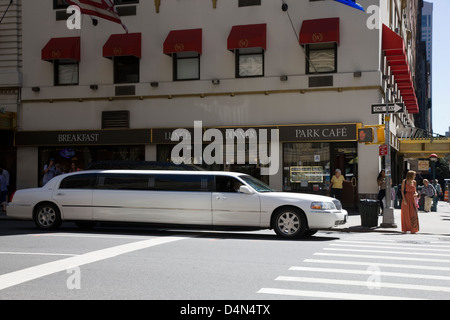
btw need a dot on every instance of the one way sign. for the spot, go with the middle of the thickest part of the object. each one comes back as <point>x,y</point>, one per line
<point>393,108</point>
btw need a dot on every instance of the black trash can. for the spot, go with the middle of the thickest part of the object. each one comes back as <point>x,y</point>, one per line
<point>369,210</point>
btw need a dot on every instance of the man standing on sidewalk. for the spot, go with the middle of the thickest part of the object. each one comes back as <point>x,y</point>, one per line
<point>430,192</point>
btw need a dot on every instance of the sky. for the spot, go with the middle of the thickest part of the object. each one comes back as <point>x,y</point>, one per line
<point>441,66</point>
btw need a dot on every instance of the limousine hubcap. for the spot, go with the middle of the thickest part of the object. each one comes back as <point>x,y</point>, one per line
<point>288,223</point>
<point>46,216</point>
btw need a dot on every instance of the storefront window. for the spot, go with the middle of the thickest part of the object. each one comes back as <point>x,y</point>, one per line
<point>83,156</point>
<point>306,167</point>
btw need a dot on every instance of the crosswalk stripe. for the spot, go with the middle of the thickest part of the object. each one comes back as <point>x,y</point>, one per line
<point>387,265</point>
<point>330,295</point>
<point>394,252</point>
<point>368,256</point>
<point>372,272</point>
<point>358,244</point>
<point>377,284</point>
<point>416,243</point>
<point>370,253</point>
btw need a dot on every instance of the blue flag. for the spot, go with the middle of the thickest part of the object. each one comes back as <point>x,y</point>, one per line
<point>351,3</point>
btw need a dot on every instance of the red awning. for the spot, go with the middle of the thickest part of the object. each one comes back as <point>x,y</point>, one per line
<point>62,48</point>
<point>394,50</point>
<point>247,36</point>
<point>183,41</point>
<point>120,45</point>
<point>392,43</point>
<point>319,31</point>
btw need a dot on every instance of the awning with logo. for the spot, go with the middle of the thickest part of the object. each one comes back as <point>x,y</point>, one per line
<point>319,31</point>
<point>189,40</point>
<point>247,36</point>
<point>62,49</point>
<point>120,45</point>
<point>395,53</point>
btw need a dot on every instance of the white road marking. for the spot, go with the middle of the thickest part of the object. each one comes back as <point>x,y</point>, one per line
<point>385,251</point>
<point>28,274</point>
<point>364,283</point>
<point>368,256</point>
<point>379,264</point>
<point>329,295</point>
<point>369,272</point>
<point>38,253</point>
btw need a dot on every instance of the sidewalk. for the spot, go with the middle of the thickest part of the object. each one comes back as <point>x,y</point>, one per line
<point>429,222</point>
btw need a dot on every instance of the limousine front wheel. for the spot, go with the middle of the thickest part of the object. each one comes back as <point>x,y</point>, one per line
<point>47,216</point>
<point>289,223</point>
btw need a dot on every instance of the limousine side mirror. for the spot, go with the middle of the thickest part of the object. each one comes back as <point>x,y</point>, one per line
<point>245,190</point>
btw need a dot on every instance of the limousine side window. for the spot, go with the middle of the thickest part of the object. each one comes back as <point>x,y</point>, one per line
<point>157,182</point>
<point>124,182</point>
<point>227,184</point>
<point>79,181</point>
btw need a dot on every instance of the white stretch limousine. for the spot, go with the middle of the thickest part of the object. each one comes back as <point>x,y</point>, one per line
<point>195,198</point>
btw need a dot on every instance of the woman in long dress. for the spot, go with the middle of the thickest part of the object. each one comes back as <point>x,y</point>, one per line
<point>410,219</point>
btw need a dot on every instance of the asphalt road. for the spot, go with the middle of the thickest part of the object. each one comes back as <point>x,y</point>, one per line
<point>111,262</point>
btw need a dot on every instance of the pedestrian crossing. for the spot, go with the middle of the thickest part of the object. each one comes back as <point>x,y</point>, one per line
<point>370,267</point>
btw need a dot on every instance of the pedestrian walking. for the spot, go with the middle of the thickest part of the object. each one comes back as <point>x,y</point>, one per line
<point>381,181</point>
<point>429,193</point>
<point>438,188</point>
<point>409,216</point>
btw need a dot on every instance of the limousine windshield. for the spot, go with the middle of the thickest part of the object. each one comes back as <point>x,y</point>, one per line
<point>256,184</point>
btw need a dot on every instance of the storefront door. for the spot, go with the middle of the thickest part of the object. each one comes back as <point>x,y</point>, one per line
<point>345,158</point>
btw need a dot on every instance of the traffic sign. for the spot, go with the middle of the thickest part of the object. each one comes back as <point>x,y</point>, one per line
<point>383,150</point>
<point>393,108</point>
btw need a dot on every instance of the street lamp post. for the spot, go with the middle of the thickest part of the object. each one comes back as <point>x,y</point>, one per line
<point>388,214</point>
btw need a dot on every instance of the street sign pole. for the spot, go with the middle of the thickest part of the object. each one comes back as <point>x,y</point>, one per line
<point>388,213</point>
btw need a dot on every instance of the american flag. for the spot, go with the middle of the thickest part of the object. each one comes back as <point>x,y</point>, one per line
<point>100,8</point>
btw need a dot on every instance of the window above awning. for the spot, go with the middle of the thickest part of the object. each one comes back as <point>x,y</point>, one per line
<point>247,36</point>
<point>319,31</point>
<point>183,41</point>
<point>120,45</point>
<point>62,49</point>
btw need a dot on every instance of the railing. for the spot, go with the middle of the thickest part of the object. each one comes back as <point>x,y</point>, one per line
<point>419,134</point>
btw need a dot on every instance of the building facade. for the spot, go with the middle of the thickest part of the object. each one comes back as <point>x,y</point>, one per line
<point>311,72</point>
<point>10,82</point>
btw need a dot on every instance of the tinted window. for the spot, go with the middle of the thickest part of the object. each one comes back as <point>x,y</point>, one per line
<point>227,184</point>
<point>161,182</point>
<point>79,181</point>
<point>175,182</point>
<point>125,182</point>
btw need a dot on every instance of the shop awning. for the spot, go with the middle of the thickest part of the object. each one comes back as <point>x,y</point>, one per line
<point>394,50</point>
<point>119,45</point>
<point>319,31</point>
<point>62,48</point>
<point>183,41</point>
<point>247,36</point>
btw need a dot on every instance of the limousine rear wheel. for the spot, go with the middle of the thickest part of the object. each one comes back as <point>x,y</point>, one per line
<point>290,222</point>
<point>47,216</point>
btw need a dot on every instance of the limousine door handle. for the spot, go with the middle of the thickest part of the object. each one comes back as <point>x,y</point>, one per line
<point>221,198</point>
<point>60,194</point>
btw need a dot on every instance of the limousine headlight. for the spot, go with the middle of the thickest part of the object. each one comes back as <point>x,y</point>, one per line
<point>323,205</point>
